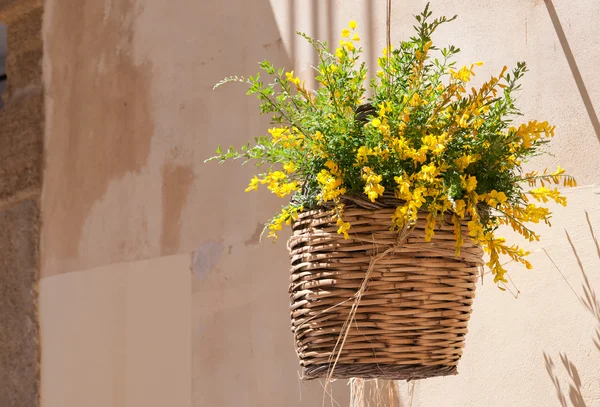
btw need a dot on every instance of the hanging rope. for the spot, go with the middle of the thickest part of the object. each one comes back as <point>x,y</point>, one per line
<point>388,22</point>
<point>364,111</point>
<point>388,45</point>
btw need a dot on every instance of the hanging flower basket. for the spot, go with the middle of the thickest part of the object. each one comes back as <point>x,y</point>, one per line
<point>395,198</point>
<point>415,299</point>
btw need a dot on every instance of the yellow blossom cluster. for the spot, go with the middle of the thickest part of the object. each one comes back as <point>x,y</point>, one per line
<point>347,41</point>
<point>331,182</point>
<point>277,182</point>
<point>286,137</point>
<point>285,217</point>
<point>373,188</point>
<point>544,194</point>
<point>533,131</point>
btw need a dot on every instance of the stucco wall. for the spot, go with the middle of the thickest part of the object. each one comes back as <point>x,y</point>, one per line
<point>138,231</point>
<point>154,288</point>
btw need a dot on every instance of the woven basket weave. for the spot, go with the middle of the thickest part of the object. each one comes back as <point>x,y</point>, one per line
<point>411,320</point>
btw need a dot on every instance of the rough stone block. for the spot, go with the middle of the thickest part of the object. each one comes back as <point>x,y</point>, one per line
<point>7,4</point>
<point>12,9</point>
<point>19,330</point>
<point>25,50</point>
<point>21,143</point>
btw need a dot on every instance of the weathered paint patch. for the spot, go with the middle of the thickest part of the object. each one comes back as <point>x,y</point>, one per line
<point>255,238</point>
<point>206,258</point>
<point>176,184</point>
<point>100,125</point>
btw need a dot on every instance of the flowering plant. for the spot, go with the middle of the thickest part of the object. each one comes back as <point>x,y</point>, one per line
<point>422,135</point>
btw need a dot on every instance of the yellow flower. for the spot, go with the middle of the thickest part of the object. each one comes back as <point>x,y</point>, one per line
<point>475,230</point>
<point>418,156</point>
<point>275,226</point>
<point>459,207</point>
<point>403,190</point>
<point>400,146</point>
<point>372,187</point>
<point>345,33</point>
<point>533,213</point>
<point>286,216</point>
<point>435,144</point>
<point>463,162</point>
<point>399,219</point>
<point>273,179</point>
<point>347,44</point>
<point>495,246</point>
<point>429,227</point>
<point>544,193</point>
<point>355,37</point>
<point>331,186</point>
<point>277,186</point>
<point>463,120</point>
<point>415,100</point>
<point>469,183</point>
<point>418,198</point>
<point>428,172</point>
<point>496,198</point>
<point>253,184</point>
<point>279,133</point>
<point>458,237</point>
<point>375,122</point>
<point>373,191</point>
<point>333,168</point>
<point>290,167</point>
<point>276,175</point>
<point>352,25</point>
<point>463,75</point>
<point>343,227</point>
<point>363,153</point>
<point>429,141</point>
<point>532,132</point>
<point>290,77</point>
<point>384,154</point>
<point>384,108</point>
<point>287,188</point>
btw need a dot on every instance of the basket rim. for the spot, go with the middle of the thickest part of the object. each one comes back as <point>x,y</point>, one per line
<point>386,201</point>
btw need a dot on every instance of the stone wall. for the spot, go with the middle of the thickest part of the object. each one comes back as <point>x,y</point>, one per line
<point>21,150</point>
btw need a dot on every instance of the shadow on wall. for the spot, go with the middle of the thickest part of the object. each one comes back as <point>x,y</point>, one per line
<point>564,43</point>
<point>241,337</point>
<point>575,393</point>
<point>590,301</point>
<point>323,26</point>
<point>231,365</point>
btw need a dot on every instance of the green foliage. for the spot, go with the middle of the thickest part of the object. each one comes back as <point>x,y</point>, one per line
<point>423,135</point>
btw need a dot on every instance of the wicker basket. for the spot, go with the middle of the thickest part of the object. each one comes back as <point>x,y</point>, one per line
<point>411,319</point>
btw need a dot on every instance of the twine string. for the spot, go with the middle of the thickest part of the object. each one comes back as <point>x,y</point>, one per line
<point>388,45</point>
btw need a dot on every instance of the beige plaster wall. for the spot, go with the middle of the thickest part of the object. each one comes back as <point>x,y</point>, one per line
<point>154,288</point>
<point>118,335</point>
<point>131,117</point>
<point>543,348</point>
<point>543,345</point>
